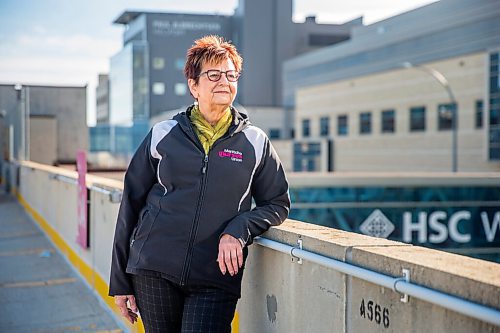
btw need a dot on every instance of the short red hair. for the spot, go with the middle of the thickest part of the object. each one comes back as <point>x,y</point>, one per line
<point>210,49</point>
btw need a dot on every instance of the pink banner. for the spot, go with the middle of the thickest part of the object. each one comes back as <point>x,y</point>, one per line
<point>81,167</point>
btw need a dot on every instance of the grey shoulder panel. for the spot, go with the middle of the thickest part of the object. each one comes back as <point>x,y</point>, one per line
<point>258,139</point>
<point>160,130</point>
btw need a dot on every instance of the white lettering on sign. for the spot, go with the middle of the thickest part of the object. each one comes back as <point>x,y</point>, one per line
<point>434,227</point>
<point>490,230</point>
<point>180,27</point>
<point>437,226</point>
<point>420,227</point>
<point>436,223</point>
<point>453,226</point>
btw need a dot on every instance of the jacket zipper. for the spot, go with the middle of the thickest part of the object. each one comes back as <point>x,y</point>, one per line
<point>136,228</point>
<point>194,227</point>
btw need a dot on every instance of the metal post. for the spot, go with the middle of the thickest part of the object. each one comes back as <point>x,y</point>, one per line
<point>27,126</point>
<point>454,129</point>
<point>444,82</point>
<point>21,152</point>
<point>11,143</point>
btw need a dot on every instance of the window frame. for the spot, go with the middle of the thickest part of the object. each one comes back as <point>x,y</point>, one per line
<point>324,126</point>
<point>362,122</point>
<point>346,125</point>
<point>383,121</point>
<point>445,123</point>
<point>306,128</point>
<point>155,88</point>
<point>479,114</point>
<point>412,126</point>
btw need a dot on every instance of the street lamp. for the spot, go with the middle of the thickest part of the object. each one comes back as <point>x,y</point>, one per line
<point>444,82</point>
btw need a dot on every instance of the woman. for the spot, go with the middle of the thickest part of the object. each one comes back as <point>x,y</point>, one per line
<point>185,220</point>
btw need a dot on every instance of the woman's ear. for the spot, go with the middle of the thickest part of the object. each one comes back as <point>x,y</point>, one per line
<point>193,88</point>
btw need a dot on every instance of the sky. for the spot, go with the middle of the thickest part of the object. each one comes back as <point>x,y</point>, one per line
<point>60,42</point>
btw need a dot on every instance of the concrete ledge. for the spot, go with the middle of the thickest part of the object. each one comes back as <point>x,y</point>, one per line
<point>91,179</point>
<point>468,278</point>
<point>282,296</point>
<point>473,279</point>
<point>333,243</point>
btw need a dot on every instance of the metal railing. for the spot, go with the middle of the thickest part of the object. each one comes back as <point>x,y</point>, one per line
<point>400,285</point>
<point>63,179</point>
<point>115,196</point>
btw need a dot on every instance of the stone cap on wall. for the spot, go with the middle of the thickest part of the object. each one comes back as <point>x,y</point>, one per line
<point>469,278</point>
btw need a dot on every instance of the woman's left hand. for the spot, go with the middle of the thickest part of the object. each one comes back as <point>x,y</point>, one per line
<point>230,254</point>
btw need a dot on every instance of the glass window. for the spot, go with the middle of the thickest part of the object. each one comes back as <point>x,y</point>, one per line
<point>324,124</point>
<point>306,130</point>
<point>495,111</point>
<point>338,207</point>
<point>121,77</point>
<point>388,117</point>
<point>158,63</point>
<point>445,116</point>
<point>494,73</point>
<point>179,64</point>
<point>274,133</point>
<point>417,119</point>
<point>180,89</point>
<point>138,60</point>
<point>141,86</point>
<point>342,125</point>
<point>479,114</point>
<point>140,83</point>
<point>307,156</point>
<point>365,123</point>
<point>494,107</point>
<point>158,88</point>
<point>100,138</point>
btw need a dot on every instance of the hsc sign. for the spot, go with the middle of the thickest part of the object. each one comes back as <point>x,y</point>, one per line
<point>435,227</point>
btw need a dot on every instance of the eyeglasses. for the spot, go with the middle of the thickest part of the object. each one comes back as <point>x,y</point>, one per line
<point>214,75</point>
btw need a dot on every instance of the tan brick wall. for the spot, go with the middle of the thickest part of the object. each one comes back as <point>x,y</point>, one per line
<point>400,90</point>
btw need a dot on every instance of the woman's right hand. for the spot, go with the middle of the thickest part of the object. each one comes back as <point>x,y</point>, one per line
<point>130,313</point>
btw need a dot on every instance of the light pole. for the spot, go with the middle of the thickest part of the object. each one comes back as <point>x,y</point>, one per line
<point>21,155</point>
<point>444,82</point>
<point>23,100</point>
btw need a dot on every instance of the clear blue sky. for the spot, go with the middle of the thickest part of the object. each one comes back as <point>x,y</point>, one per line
<point>62,42</point>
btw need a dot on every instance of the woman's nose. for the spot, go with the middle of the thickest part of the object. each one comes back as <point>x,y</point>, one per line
<point>223,78</point>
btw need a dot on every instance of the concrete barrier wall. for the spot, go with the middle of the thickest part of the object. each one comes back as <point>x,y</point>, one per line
<point>280,295</point>
<point>52,202</point>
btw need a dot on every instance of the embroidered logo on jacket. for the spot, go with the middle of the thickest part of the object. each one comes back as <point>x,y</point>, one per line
<point>234,155</point>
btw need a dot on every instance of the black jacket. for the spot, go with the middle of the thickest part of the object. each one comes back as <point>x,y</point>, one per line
<point>177,202</point>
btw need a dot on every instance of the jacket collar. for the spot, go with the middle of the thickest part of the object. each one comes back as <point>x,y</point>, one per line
<point>240,121</point>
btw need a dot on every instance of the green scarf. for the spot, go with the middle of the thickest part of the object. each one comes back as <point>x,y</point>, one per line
<point>207,133</point>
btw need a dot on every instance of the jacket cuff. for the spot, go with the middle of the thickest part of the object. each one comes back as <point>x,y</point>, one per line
<point>242,242</point>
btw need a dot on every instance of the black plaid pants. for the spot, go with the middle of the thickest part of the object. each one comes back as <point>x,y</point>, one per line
<point>166,307</point>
